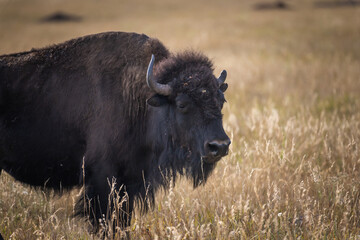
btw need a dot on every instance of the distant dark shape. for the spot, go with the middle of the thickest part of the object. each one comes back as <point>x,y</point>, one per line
<point>110,107</point>
<point>1,238</point>
<point>59,17</point>
<point>278,5</point>
<point>337,4</point>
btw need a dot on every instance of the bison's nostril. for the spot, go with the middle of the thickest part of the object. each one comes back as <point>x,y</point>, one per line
<point>218,148</point>
<point>213,148</point>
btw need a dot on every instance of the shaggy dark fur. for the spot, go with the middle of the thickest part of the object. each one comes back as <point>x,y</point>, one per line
<point>76,113</point>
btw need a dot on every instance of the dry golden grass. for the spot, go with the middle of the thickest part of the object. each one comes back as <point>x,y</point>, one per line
<point>293,114</point>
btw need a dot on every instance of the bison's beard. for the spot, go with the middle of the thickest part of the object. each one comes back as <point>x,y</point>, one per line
<point>166,164</point>
<point>198,170</point>
<point>184,161</point>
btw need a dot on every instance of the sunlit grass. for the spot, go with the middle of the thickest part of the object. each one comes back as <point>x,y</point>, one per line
<point>292,112</point>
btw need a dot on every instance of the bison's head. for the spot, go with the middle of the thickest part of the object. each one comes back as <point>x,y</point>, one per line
<point>185,120</point>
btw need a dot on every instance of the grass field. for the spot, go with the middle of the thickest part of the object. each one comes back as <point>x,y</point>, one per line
<point>293,114</point>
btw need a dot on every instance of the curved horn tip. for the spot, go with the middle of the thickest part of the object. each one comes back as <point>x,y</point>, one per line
<point>150,70</point>
<point>222,77</point>
<point>223,74</point>
<point>162,89</point>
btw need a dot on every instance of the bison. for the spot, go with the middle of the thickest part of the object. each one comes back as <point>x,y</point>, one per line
<point>110,106</point>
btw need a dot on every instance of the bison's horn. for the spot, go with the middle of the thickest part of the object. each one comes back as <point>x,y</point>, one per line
<point>162,89</point>
<point>222,77</point>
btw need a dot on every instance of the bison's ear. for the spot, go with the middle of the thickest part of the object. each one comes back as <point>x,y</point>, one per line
<point>157,100</point>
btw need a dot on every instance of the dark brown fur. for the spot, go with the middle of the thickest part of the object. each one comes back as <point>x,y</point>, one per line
<point>84,101</point>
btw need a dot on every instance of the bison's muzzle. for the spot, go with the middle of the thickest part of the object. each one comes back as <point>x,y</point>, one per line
<point>216,149</point>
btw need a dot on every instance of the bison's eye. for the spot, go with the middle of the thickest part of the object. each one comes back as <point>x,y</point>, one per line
<point>183,103</point>
<point>182,106</point>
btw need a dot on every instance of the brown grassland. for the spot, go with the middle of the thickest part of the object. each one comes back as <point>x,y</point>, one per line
<point>292,112</point>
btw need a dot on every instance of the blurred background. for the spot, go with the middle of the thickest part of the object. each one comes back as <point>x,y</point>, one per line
<point>292,113</point>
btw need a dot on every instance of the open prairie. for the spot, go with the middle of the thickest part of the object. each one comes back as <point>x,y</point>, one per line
<point>292,112</point>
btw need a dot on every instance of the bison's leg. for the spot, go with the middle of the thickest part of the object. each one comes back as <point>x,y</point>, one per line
<point>93,202</point>
<point>106,204</point>
<point>124,208</point>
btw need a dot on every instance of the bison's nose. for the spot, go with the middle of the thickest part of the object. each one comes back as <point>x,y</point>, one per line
<point>217,149</point>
